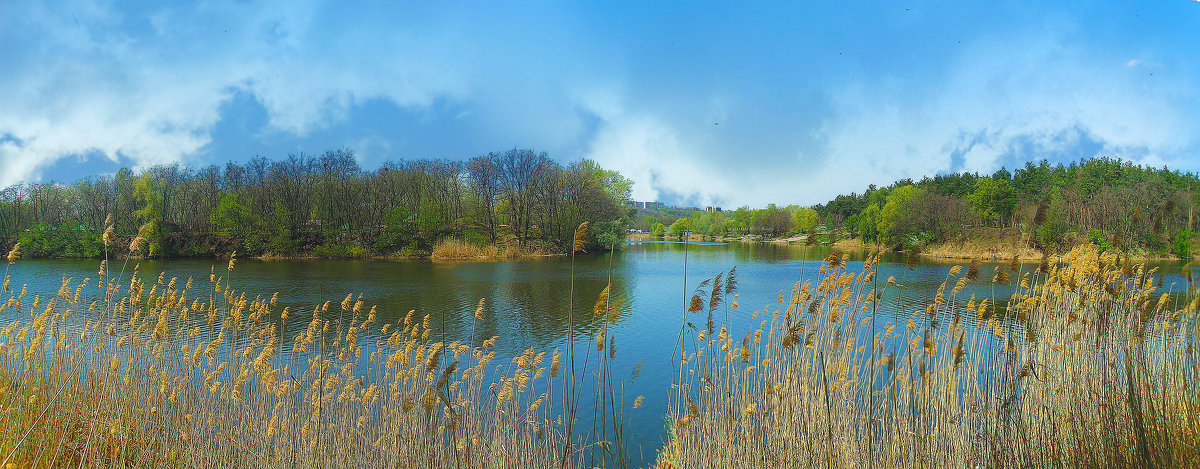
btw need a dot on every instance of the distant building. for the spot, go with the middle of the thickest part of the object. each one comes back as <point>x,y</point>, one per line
<point>712,209</point>
<point>644,205</point>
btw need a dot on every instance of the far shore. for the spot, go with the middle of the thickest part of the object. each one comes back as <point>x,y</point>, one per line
<point>984,250</point>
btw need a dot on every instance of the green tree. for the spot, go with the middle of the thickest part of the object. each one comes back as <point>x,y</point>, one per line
<point>892,217</point>
<point>680,227</point>
<point>868,224</point>
<point>992,200</point>
<point>806,219</point>
<point>230,218</point>
<point>149,192</point>
<point>658,230</point>
<point>772,221</point>
<point>1052,227</point>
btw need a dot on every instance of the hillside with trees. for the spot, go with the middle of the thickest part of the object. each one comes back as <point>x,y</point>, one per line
<point>1109,202</point>
<point>324,206</point>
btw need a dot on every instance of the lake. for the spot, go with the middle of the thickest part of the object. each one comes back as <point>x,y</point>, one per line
<point>526,302</point>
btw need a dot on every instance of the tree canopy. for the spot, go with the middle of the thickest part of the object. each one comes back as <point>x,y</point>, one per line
<point>324,205</point>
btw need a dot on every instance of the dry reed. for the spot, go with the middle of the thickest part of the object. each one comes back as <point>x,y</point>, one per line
<point>1087,366</point>
<point>183,373</point>
<point>1086,363</point>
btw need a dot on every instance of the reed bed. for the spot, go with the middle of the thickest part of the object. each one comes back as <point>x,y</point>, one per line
<point>1082,362</point>
<point>454,249</point>
<point>1088,364</point>
<point>183,373</point>
<point>458,250</point>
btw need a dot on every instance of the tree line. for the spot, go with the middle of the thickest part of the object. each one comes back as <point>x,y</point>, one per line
<point>1108,201</point>
<point>325,205</point>
<point>771,221</point>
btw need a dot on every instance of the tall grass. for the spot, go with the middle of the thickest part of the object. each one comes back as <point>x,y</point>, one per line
<point>1085,363</point>
<point>186,373</point>
<point>455,249</point>
<point>1089,366</point>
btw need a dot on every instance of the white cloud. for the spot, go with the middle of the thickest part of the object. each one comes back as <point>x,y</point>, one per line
<point>657,158</point>
<point>147,86</point>
<point>1013,97</point>
<point>1004,99</point>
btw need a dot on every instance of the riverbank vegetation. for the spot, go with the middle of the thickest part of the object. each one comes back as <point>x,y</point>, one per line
<point>324,206</point>
<point>1081,362</point>
<point>1113,204</point>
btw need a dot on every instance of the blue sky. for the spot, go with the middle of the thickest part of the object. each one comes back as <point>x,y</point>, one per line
<point>696,102</point>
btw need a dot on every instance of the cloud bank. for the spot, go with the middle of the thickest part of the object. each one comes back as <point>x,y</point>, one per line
<point>706,106</point>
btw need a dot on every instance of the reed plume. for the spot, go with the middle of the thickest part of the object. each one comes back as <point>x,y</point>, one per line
<point>580,239</point>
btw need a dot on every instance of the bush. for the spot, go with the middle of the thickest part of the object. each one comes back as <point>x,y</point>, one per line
<point>341,251</point>
<point>1182,245</point>
<point>475,237</point>
<point>1097,237</point>
<point>1050,235</point>
<point>61,241</point>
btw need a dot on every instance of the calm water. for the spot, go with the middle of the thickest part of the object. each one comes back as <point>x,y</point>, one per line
<point>527,302</point>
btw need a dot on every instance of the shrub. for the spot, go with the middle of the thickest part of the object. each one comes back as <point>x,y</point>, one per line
<point>1182,245</point>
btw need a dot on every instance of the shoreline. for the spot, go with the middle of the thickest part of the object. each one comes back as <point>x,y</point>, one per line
<point>953,250</point>
<point>967,250</point>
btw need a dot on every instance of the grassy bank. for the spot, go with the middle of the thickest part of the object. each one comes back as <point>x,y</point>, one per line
<point>1092,365</point>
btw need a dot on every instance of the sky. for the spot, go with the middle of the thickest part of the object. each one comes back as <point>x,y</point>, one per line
<point>699,103</point>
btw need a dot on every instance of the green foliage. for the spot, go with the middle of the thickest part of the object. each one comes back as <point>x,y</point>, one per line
<point>606,235</point>
<point>1051,232</point>
<point>658,230</point>
<point>230,218</point>
<point>340,251</point>
<point>868,223</point>
<point>61,241</point>
<point>892,217</point>
<point>806,219</point>
<point>148,191</point>
<point>1096,237</point>
<point>1181,245</point>
<point>680,227</point>
<point>279,237</point>
<point>992,199</point>
<point>292,206</point>
<point>411,249</point>
<point>474,237</point>
<point>613,183</point>
<point>1141,205</point>
<point>916,239</point>
<point>773,222</point>
<point>399,229</point>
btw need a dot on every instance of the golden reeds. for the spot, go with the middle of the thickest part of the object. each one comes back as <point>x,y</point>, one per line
<point>1074,373</point>
<point>1086,363</point>
<point>142,386</point>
